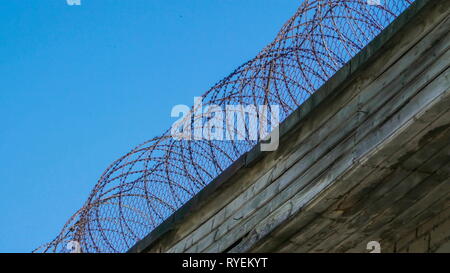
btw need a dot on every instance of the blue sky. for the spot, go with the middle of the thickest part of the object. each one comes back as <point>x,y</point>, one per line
<point>82,85</point>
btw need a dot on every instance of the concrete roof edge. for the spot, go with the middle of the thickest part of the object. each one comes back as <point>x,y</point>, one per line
<point>329,89</point>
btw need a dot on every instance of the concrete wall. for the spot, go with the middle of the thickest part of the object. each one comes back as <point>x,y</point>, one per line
<point>432,236</point>
<point>367,157</point>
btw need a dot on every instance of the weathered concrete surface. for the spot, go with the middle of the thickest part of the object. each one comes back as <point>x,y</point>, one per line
<point>366,158</point>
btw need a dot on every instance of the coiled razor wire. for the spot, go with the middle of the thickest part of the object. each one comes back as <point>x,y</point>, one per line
<point>144,187</point>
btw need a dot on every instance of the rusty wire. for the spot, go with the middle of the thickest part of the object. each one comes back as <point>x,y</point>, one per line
<point>144,187</point>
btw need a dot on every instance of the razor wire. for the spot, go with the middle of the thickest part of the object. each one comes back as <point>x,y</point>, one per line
<point>137,192</point>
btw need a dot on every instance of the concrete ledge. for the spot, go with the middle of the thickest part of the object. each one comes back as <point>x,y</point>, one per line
<point>165,234</point>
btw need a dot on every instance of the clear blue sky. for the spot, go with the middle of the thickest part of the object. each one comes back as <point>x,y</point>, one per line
<point>82,85</point>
